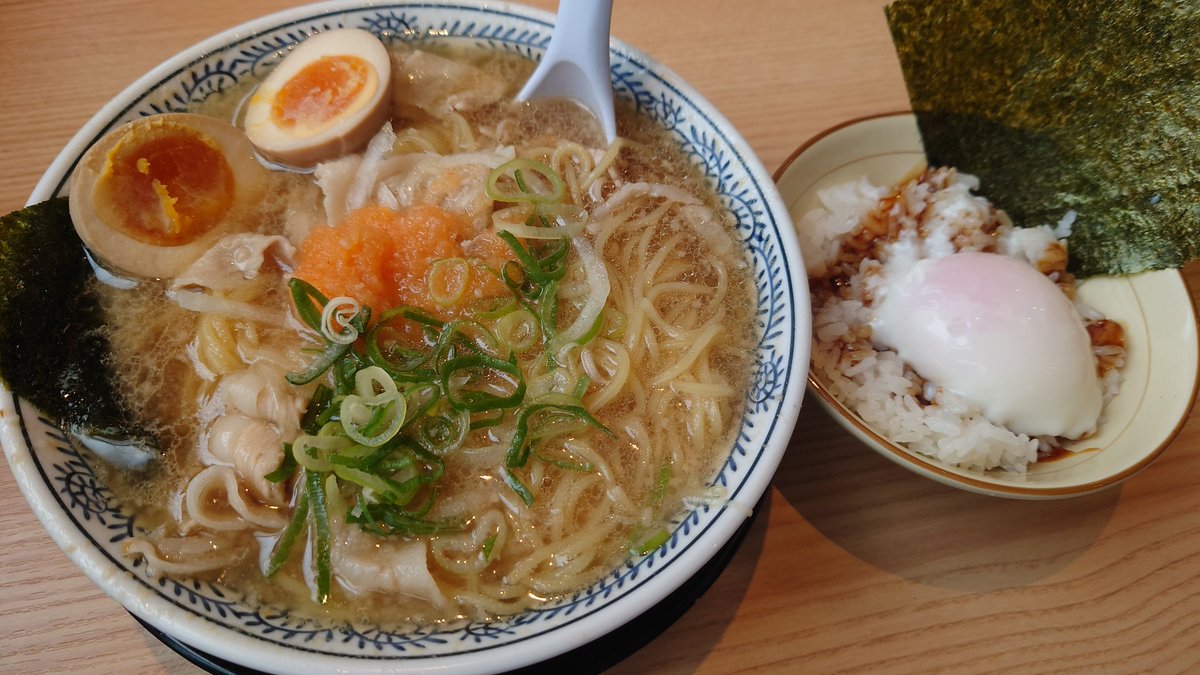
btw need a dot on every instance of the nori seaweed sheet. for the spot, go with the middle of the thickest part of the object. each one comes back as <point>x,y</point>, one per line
<point>53,350</point>
<point>1061,105</point>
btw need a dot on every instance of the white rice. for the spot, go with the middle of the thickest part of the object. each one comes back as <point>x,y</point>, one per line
<point>931,218</point>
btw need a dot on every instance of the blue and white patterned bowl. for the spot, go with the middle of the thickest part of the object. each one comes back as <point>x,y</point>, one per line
<point>89,524</point>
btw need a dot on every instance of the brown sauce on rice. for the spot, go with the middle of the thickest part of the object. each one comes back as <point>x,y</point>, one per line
<point>907,208</point>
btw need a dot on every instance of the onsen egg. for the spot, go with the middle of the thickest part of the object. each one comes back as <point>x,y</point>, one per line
<point>152,195</point>
<point>326,98</point>
<point>999,333</point>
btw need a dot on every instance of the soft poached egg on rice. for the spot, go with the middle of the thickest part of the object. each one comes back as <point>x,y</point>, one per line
<point>997,332</point>
<point>940,346</point>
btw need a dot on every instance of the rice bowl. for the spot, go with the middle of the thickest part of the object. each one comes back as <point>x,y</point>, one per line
<point>1155,309</point>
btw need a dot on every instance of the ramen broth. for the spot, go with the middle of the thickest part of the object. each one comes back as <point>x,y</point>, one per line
<point>677,329</point>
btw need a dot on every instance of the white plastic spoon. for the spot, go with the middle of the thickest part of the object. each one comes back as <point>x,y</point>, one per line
<point>576,62</point>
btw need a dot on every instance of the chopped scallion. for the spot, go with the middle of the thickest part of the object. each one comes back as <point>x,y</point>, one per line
<point>651,543</point>
<point>524,180</point>
<point>479,367</point>
<point>286,468</point>
<point>319,534</point>
<point>287,541</point>
<point>447,280</point>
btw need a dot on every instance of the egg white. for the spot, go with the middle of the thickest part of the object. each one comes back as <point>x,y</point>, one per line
<point>1001,334</point>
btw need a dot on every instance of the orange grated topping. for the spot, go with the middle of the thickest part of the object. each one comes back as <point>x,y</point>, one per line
<point>381,257</point>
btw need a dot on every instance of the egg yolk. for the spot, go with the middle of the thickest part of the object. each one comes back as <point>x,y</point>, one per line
<point>164,184</point>
<point>322,91</point>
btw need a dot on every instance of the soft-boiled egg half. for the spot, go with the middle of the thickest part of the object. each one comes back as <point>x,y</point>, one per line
<point>152,195</point>
<point>999,333</point>
<point>326,98</point>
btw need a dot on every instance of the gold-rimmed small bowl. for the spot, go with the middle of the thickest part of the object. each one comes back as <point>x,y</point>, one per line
<point>1159,377</point>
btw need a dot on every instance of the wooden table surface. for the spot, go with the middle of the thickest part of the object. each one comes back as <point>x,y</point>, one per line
<point>855,564</point>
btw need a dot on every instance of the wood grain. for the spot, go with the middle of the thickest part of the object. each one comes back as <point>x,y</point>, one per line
<point>855,565</point>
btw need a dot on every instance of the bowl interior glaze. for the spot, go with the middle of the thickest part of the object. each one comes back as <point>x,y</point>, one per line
<point>85,519</point>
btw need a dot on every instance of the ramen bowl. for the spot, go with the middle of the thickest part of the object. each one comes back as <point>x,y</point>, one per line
<point>1159,377</point>
<point>64,486</point>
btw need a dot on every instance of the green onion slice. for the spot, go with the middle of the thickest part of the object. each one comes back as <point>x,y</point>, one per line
<point>390,520</point>
<point>381,487</point>
<point>420,398</point>
<point>312,452</point>
<point>462,337</point>
<point>518,330</point>
<point>333,495</point>
<point>286,467</point>
<point>565,464</point>
<point>309,302</point>
<point>593,331</point>
<point>322,543</point>
<point>287,541</point>
<point>497,418</point>
<point>651,543</point>
<point>539,270</point>
<point>373,414</point>
<point>331,355</point>
<point>447,280</point>
<point>518,451</point>
<point>549,221</point>
<point>442,434</point>
<point>386,348</point>
<point>524,180</point>
<point>511,480</point>
<point>581,387</point>
<point>318,405</point>
<point>338,323</point>
<point>359,456</point>
<point>660,485</point>
<point>490,309</point>
<point>304,295</point>
<point>459,372</point>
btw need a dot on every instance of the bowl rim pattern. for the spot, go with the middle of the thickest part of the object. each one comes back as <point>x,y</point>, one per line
<point>85,521</point>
